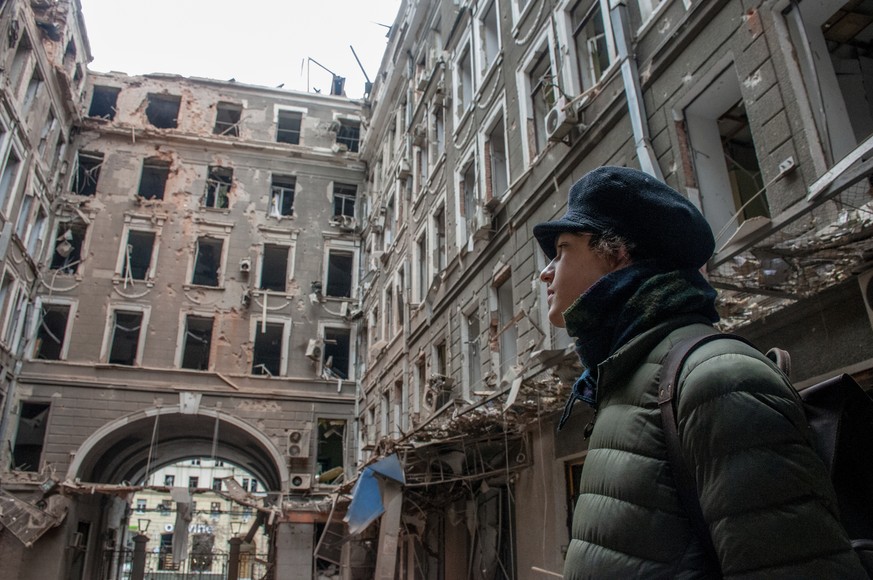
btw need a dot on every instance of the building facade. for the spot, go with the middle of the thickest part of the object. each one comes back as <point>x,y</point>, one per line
<point>484,114</point>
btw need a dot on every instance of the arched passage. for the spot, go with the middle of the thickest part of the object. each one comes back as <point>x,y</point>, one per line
<point>120,450</point>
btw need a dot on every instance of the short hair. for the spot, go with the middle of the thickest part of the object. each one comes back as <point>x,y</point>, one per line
<point>612,246</point>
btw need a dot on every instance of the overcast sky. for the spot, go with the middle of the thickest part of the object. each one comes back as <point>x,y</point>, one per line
<point>261,42</point>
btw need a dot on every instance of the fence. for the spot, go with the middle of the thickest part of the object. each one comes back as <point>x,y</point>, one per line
<point>160,566</point>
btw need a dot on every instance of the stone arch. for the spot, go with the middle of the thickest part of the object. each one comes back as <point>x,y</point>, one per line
<point>119,451</point>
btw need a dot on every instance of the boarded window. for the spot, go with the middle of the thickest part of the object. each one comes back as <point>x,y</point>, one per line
<point>274,268</point>
<point>51,332</point>
<point>162,111</point>
<point>30,437</point>
<point>218,184</point>
<point>103,102</point>
<point>339,274</point>
<point>87,173</point>
<point>337,345</point>
<point>227,118</point>
<point>349,134</point>
<point>207,262</point>
<point>282,195</point>
<point>198,342</point>
<point>137,259</point>
<point>68,247</point>
<point>153,179</point>
<point>267,356</point>
<point>288,127</point>
<point>125,337</point>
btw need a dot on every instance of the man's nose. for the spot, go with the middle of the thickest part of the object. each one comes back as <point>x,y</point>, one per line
<point>547,273</point>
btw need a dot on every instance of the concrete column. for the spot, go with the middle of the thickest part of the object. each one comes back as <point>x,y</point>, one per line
<point>137,571</point>
<point>294,548</point>
<point>233,558</point>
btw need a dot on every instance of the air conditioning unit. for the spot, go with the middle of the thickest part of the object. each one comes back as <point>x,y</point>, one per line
<point>482,223</point>
<point>245,265</point>
<point>378,223</point>
<point>300,481</point>
<point>560,120</point>
<point>375,261</point>
<point>314,348</point>
<point>298,444</point>
<point>866,282</point>
<point>347,222</point>
<point>403,169</point>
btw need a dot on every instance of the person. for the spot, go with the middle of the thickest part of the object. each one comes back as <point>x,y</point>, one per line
<point>624,279</point>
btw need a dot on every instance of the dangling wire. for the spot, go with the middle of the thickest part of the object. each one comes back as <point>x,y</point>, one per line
<point>152,448</point>
<point>215,440</point>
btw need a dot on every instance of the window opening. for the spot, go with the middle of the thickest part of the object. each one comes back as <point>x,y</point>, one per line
<point>19,62</point>
<point>169,481</point>
<point>474,357</point>
<point>491,36</point>
<point>141,506</point>
<point>470,201</point>
<point>330,450</point>
<point>267,356</point>
<point>162,111</point>
<point>125,337</point>
<point>288,127</point>
<point>218,184</point>
<point>337,345</point>
<point>496,165</point>
<point>193,482</point>
<point>103,102</point>
<point>227,117</point>
<point>9,178</point>
<point>198,342</point>
<point>207,262</point>
<point>153,179</point>
<point>138,255</point>
<point>52,331</point>
<point>24,216</point>
<point>282,195</point>
<point>36,235</point>
<point>68,247</point>
<point>216,484</point>
<point>274,268</point>
<point>742,163</point>
<point>542,99</point>
<point>440,252</point>
<point>33,89</point>
<point>87,173</point>
<point>421,267</point>
<point>506,327</point>
<point>465,81</point>
<point>349,134</point>
<point>30,437</point>
<point>589,35</point>
<point>344,199</point>
<point>339,274</point>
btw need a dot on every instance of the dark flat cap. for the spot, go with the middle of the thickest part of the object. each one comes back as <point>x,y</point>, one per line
<point>662,223</point>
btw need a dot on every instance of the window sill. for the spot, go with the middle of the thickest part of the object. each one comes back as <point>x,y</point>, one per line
<point>117,280</point>
<point>219,210</point>
<point>202,287</point>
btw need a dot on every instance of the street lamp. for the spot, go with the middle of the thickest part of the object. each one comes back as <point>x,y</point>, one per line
<point>139,550</point>
<point>143,525</point>
<point>235,528</point>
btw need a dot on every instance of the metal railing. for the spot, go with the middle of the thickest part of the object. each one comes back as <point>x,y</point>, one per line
<point>117,564</point>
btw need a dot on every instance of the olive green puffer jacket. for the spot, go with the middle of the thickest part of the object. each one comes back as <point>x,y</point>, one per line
<point>765,495</point>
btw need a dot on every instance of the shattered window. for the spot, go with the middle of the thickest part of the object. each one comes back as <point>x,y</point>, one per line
<point>198,341</point>
<point>218,184</point>
<point>125,337</point>
<point>267,355</point>
<point>464,82</point>
<point>589,35</point>
<point>339,274</point>
<point>497,174</point>
<point>288,129</point>
<point>507,329</point>
<point>68,247</point>
<point>439,249</point>
<point>349,134</point>
<point>331,436</point>
<point>337,344</point>
<point>282,195</point>
<point>274,267</point>
<point>490,28</point>
<point>36,233</point>
<point>87,173</point>
<point>541,98</point>
<point>153,179</point>
<point>103,102</point>
<point>474,351</point>
<point>162,111</point>
<point>9,179</point>
<point>169,480</point>
<point>137,258</point>
<point>19,62</point>
<point>207,262</point>
<point>33,89</point>
<point>344,199</point>
<point>51,332</point>
<point>227,118</point>
<point>470,202</point>
<point>30,437</point>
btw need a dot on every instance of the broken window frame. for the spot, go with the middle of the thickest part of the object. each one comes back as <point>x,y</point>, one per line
<point>268,265</point>
<point>289,125</point>
<point>154,175</point>
<point>195,344</point>
<point>199,272</point>
<point>488,37</point>
<point>21,62</point>
<point>32,222</point>
<point>162,110</point>
<point>344,198</point>
<point>648,9</point>
<point>349,134</point>
<point>438,239</point>
<point>33,416</point>
<point>15,310</point>
<point>467,178</point>
<point>537,90</point>
<point>282,189</point>
<point>128,258</point>
<point>504,329</point>
<point>227,119</point>
<point>109,354</point>
<point>421,267</point>
<point>9,296</point>
<point>495,160</point>
<point>87,174</point>
<point>43,331</point>
<point>10,178</point>
<point>283,326</point>
<point>334,287</point>
<point>70,236</point>
<point>589,32</point>
<point>219,180</point>
<point>464,83</point>
<point>339,342</point>
<point>106,106</point>
<point>471,350</point>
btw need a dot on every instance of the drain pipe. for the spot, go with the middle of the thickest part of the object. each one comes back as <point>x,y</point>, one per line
<point>630,75</point>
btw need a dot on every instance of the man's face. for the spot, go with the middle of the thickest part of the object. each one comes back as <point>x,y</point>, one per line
<point>574,270</point>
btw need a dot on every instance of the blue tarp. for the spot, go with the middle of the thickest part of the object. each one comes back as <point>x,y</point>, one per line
<point>367,504</point>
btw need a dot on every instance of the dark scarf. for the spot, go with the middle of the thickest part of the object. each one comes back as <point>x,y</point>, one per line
<point>624,304</point>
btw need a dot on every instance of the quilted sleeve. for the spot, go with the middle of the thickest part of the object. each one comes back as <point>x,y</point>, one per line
<point>766,496</point>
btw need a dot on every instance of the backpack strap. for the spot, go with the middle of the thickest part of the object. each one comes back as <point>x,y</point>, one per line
<point>686,485</point>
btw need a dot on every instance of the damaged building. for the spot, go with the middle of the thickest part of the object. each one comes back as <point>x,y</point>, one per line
<point>485,113</point>
<point>178,261</point>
